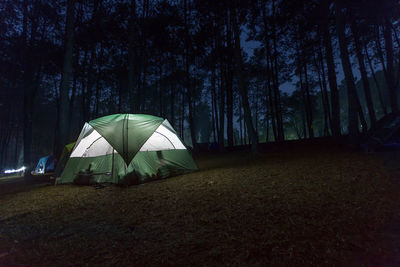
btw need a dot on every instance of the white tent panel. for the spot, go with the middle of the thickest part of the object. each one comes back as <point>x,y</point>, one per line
<point>168,126</point>
<point>171,136</point>
<point>92,145</point>
<point>162,139</point>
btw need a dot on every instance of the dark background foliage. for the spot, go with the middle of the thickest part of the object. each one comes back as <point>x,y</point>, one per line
<point>226,72</point>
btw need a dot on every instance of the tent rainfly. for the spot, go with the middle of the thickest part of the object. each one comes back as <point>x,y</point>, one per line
<point>126,149</point>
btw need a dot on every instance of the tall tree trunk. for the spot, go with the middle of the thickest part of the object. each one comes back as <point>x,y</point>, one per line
<point>98,75</point>
<point>213,119</point>
<point>221,97</point>
<point>325,89</point>
<point>271,96</point>
<point>143,85</point>
<point>363,71</point>
<point>214,93</point>
<point>74,93</point>
<point>389,66</point>
<point>189,87</point>
<point>182,119</point>
<point>266,127</point>
<point>73,96</point>
<point>66,78</point>
<point>31,80</point>
<point>363,121</point>
<point>28,77</point>
<point>120,83</point>
<point>335,125</point>
<point>160,93</point>
<point>255,100</point>
<point>240,123</point>
<point>322,86</point>
<point>269,73</point>
<point>378,87</point>
<point>229,108</point>
<point>303,96</point>
<point>397,82</point>
<point>229,83</point>
<point>172,105</point>
<point>90,80</point>
<point>83,88</point>
<point>222,88</point>
<point>57,100</point>
<point>4,134</point>
<point>378,48</point>
<point>214,104</point>
<point>351,88</point>
<point>266,114</point>
<point>131,58</point>
<point>15,159</point>
<point>303,122</point>
<point>243,86</point>
<point>271,105</point>
<point>308,102</point>
<point>275,79</point>
<point>5,147</point>
<point>245,140</point>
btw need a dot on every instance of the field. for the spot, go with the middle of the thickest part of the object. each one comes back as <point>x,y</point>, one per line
<point>288,208</point>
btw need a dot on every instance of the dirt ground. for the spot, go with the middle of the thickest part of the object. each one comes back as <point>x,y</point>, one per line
<point>287,208</point>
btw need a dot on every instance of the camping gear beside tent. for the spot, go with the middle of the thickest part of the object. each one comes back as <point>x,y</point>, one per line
<point>45,165</point>
<point>126,149</point>
<point>63,159</point>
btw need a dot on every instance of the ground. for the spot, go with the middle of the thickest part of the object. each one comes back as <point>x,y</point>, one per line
<point>294,207</point>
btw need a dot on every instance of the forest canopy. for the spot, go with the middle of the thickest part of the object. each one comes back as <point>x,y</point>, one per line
<point>227,72</point>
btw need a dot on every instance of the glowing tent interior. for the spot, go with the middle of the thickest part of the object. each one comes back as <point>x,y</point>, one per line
<point>126,149</point>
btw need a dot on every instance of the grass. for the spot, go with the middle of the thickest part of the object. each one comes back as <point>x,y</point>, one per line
<point>288,208</point>
<point>10,177</point>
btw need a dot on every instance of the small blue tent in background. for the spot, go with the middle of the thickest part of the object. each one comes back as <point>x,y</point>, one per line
<point>45,164</point>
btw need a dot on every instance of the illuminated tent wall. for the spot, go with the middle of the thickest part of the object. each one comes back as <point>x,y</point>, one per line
<point>126,149</point>
<point>44,165</point>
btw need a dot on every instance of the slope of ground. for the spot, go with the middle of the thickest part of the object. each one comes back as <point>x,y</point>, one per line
<point>289,208</point>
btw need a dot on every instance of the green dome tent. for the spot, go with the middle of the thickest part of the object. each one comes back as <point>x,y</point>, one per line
<point>126,149</point>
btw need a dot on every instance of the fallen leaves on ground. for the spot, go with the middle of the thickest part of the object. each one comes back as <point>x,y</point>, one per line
<point>290,208</point>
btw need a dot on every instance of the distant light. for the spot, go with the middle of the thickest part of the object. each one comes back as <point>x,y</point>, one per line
<point>22,169</point>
